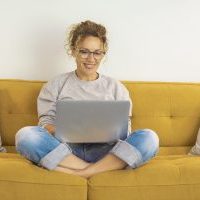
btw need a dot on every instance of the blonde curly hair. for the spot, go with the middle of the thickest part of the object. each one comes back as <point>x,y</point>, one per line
<point>82,30</point>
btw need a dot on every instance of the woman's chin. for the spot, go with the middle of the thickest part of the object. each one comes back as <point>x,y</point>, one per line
<point>90,71</point>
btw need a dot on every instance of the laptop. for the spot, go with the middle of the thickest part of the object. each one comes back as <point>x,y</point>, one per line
<point>91,121</point>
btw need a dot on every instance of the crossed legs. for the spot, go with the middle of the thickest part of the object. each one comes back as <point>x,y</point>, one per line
<point>43,149</point>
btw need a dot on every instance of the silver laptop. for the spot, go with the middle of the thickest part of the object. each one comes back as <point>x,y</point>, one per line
<point>91,121</point>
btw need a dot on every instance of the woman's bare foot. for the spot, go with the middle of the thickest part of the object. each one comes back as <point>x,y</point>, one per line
<point>108,163</point>
<point>73,162</point>
<point>85,173</point>
<point>65,170</point>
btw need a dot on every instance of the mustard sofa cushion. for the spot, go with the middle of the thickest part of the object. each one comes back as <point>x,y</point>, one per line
<point>171,109</point>
<point>20,179</point>
<point>164,177</point>
<point>18,107</point>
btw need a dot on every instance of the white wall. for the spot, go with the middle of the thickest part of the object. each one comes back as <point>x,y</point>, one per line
<point>156,40</point>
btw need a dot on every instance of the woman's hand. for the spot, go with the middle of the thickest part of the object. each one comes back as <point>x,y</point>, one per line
<point>50,128</point>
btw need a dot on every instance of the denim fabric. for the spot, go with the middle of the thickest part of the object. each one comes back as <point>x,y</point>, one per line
<point>139,147</point>
<point>37,145</point>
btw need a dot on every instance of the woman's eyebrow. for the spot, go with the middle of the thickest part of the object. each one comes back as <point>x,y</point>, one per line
<point>89,49</point>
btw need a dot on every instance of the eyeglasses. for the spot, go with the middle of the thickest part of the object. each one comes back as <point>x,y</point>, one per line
<point>85,53</point>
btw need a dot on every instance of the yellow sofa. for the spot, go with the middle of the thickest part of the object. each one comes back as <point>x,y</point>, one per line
<point>171,109</point>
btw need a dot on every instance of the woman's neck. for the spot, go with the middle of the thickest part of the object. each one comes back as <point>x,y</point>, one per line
<point>84,77</point>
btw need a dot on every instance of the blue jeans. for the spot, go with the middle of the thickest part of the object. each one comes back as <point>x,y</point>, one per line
<point>43,149</point>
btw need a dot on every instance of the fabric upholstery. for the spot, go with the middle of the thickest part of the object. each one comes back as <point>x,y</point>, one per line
<point>170,109</point>
<point>20,179</point>
<point>165,177</point>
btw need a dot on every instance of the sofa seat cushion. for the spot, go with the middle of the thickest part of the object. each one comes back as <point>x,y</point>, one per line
<point>164,177</point>
<point>178,150</point>
<point>20,179</point>
<point>10,149</point>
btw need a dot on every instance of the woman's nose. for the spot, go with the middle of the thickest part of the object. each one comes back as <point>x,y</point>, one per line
<point>91,57</point>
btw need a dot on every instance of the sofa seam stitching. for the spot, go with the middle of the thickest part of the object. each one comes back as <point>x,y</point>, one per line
<point>42,183</point>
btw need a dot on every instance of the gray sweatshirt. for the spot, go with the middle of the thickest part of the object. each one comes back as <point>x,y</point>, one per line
<point>68,86</point>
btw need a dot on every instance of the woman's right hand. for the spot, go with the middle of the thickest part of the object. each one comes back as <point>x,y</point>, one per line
<point>50,128</point>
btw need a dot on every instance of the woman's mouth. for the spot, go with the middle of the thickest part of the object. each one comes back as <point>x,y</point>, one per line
<point>89,66</point>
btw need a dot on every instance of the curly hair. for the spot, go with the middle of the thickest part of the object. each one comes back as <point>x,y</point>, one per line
<point>81,30</point>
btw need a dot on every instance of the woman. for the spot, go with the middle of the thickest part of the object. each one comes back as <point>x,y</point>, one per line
<point>87,44</point>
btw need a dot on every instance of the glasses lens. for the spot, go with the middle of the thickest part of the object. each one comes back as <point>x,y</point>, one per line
<point>98,54</point>
<point>85,53</point>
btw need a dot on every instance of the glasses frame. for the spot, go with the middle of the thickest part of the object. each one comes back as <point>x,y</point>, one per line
<point>85,53</point>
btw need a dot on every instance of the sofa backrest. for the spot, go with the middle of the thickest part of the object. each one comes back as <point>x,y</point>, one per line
<point>18,107</point>
<point>171,109</point>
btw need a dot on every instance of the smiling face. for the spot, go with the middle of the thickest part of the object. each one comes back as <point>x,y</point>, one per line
<point>88,55</point>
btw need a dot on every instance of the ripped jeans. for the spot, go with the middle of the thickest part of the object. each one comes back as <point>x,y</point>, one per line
<point>43,149</point>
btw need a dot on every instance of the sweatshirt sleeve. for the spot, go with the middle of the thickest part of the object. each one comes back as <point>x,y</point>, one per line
<point>46,103</point>
<point>122,93</point>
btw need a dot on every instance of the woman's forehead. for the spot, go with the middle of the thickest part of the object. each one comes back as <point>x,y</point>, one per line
<point>90,42</point>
